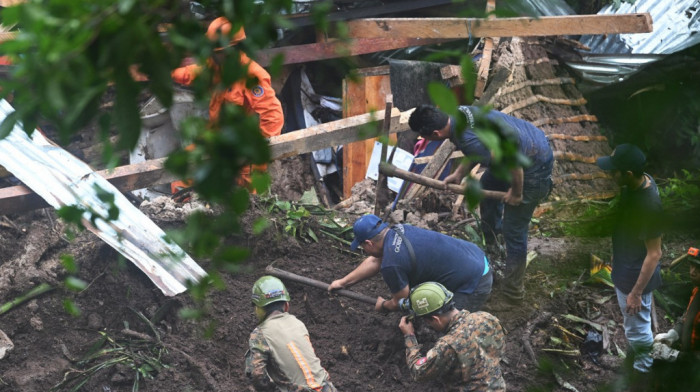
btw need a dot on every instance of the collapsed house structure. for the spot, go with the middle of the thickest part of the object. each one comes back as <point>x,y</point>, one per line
<point>518,74</point>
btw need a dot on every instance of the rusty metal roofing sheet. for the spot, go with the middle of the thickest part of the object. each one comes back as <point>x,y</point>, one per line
<point>61,179</point>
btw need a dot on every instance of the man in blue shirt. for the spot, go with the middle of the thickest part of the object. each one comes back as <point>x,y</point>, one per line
<point>530,182</point>
<point>407,256</point>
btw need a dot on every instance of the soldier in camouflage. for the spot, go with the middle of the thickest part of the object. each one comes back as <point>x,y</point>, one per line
<point>468,355</point>
<point>280,356</point>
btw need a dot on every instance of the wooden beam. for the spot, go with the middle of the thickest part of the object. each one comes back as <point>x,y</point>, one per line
<point>465,28</point>
<point>19,199</point>
<point>333,133</point>
<point>392,171</point>
<point>336,48</point>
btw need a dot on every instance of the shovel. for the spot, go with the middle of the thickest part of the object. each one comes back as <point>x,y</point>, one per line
<point>315,283</point>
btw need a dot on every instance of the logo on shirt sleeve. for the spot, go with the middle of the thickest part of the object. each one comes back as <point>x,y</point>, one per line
<point>258,91</point>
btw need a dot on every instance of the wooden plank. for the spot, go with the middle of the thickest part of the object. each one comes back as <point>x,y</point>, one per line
<point>334,133</point>
<point>380,195</point>
<point>434,167</point>
<point>362,96</point>
<point>465,28</point>
<point>332,49</point>
<point>19,199</point>
<point>539,98</point>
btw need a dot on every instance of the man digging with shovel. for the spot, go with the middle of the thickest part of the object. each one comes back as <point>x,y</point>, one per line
<point>407,256</point>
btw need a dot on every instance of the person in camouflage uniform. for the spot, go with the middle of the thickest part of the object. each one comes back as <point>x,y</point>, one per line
<point>280,355</point>
<point>468,355</point>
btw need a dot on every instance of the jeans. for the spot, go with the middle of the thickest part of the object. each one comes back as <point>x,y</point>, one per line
<point>512,221</point>
<point>638,331</point>
<point>474,301</point>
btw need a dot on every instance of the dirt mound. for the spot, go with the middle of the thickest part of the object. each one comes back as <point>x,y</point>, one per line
<point>121,311</point>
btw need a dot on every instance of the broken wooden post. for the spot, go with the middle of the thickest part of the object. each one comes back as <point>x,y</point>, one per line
<point>382,186</point>
<point>393,171</point>
<point>485,62</point>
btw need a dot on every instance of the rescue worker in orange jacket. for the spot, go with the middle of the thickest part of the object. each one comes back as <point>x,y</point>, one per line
<point>259,99</point>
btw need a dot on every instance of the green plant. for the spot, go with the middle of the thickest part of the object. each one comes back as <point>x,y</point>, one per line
<point>142,356</point>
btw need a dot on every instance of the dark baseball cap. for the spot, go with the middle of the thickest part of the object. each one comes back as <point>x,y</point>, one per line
<point>365,228</point>
<point>624,157</point>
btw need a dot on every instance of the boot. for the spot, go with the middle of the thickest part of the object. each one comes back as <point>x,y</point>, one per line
<point>514,281</point>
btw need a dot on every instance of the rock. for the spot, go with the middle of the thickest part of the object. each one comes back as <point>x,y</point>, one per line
<point>36,323</point>
<point>396,216</point>
<point>6,344</point>
<point>431,218</point>
<point>94,321</point>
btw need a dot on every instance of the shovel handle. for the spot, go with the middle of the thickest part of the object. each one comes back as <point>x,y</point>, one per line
<point>318,284</point>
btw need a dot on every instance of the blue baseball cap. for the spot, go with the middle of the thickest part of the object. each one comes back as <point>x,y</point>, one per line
<point>624,157</point>
<point>365,228</point>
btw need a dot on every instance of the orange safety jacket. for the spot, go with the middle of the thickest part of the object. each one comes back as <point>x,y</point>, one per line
<point>260,99</point>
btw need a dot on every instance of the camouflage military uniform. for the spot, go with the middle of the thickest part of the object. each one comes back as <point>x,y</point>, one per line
<point>281,358</point>
<point>468,356</point>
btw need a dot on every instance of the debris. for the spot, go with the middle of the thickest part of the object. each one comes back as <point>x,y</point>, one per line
<point>600,271</point>
<point>541,319</point>
<point>563,383</point>
<point>35,292</point>
<point>6,344</point>
<point>63,180</point>
<point>593,346</point>
<point>571,317</point>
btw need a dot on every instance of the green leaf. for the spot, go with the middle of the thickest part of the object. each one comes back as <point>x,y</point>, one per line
<point>260,225</point>
<point>69,264</point>
<point>8,124</point>
<point>443,97</point>
<point>313,235</point>
<point>75,284</point>
<point>71,308</point>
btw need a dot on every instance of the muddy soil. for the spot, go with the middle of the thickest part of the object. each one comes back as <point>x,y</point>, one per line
<point>361,349</point>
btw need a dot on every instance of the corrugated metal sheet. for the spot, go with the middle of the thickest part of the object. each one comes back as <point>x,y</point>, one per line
<point>61,179</point>
<point>676,26</point>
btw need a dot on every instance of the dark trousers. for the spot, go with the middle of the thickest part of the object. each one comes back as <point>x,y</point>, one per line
<point>474,301</point>
<point>513,222</point>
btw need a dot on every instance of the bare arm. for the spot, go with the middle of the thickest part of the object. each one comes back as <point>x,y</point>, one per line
<point>515,193</point>
<point>459,173</point>
<point>634,298</point>
<point>390,305</point>
<point>368,268</point>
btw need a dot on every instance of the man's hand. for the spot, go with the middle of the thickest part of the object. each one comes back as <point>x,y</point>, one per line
<point>335,285</point>
<point>634,303</point>
<point>454,178</point>
<point>512,199</point>
<point>379,305</point>
<point>667,338</point>
<point>664,353</point>
<point>406,326</point>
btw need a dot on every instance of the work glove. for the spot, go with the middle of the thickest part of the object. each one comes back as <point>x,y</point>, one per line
<point>662,352</point>
<point>667,338</point>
